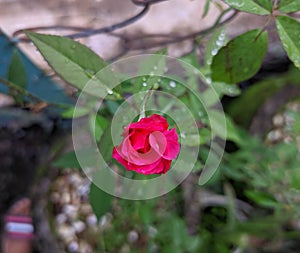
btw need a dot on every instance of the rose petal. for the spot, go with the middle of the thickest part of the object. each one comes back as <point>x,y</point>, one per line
<point>152,123</point>
<point>158,142</point>
<point>173,147</point>
<point>139,140</point>
<point>129,153</point>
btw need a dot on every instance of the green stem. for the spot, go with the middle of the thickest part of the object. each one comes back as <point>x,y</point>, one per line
<point>143,107</point>
<point>19,89</point>
<point>26,93</point>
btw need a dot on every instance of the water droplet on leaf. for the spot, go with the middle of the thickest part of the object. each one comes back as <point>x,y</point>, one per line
<point>172,84</point>
<point>214,52</point>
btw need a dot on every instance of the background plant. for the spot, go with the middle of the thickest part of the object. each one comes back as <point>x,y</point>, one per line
<point>264,176</point>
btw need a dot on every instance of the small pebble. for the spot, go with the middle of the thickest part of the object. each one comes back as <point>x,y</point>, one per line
<point>73,247</point>
<point>79,226</point>
<point>84,247</point>
<point>133,236</point>
<point>84,189</point>
<point>70,210</point>
<point>74,179</point>
<point>275,135</point>
<point>55,197</point>
<point>66,197</point>
<point>66,232</point>
<point>85,209</point>
<point>278,120</point>
<point>60,219</point>
<point>91,220</point>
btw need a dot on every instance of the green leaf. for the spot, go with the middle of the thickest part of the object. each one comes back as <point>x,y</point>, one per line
<point>74,62</point>
<point>289,6</point>
<point>218,123</point>
<point>232,131</point>
<point>69,160</point>
<point>226,89</point>
<point>260,7</point>
<point>17,72</point>
<point>236,61</point>
<point>71,112</point>
<point>100,201</point>
<point>17,75</point>
<point>289,33</point>
<point>97,125</point>
<point>39,85</point>
<point>206,8</point>
<point>295,179</point>
<point>217,41</point>
<point>106,144</point>
<point>262,198</point>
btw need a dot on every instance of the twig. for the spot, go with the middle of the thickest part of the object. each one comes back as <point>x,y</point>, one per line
<point>171,39</point>
<point>41,28</point>
<point>30,95</point>
<point>87,32</point>
<point>145,2</point>
<point>111,28</point>
<point>19,89</point>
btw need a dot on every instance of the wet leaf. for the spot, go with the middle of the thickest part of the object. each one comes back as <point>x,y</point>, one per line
<point>217,41</point>
<point>18,76</point>
<point>100,201</point>
<point>236,61</point>
<point>289,6</point>
<point>74,62</point>
<point>260,7</point>
<point>17,72</point>
<point>289,33</point>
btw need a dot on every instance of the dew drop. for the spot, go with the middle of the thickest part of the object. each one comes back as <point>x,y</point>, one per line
<point>214,52</point>
<point>144,84</point>
<point>231,90</point>
<point>110,92</point>
<point>219,43</point>
<point>221,36</point>
<point>183,136</point>
<point>172,84</point>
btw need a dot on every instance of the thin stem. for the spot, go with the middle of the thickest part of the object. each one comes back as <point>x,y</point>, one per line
<point>111,28</point>
<point>30,95</point>
<point>145,101</point>
<point>174,38</point>
<point>19,89</point>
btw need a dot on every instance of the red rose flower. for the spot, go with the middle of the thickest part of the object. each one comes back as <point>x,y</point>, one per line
<point>148,146</point>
